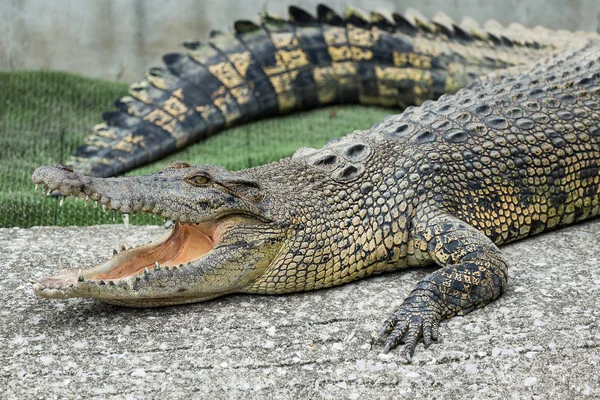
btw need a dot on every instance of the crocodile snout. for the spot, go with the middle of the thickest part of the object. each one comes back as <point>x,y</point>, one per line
<point>60,177</point>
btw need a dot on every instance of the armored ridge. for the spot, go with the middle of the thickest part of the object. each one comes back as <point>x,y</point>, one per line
<point>516,154</point>
<point>284,65</point>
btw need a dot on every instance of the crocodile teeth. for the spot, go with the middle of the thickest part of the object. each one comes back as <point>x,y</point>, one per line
<point>80,275</point>
<point>36,187</point>
<point>146,272</point>
<point>126,220</point>
<point>104,207</point>
<point>169,223</point>
<point>96,204</point>
<point>62,201</point>
<point>156,265</point>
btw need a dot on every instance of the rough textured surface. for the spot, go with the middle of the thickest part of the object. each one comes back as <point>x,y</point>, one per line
<point>540,340</point>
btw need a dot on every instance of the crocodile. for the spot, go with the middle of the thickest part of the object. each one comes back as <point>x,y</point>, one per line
<point>500,140</point>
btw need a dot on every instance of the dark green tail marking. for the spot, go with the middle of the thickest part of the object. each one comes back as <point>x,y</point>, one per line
<point>286,65</point>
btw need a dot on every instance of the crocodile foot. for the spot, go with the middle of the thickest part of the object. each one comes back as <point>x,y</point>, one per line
<point>412,321</point>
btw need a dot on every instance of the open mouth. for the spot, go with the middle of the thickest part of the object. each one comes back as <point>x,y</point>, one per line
<point>219,252</point>
<point>183,245</point>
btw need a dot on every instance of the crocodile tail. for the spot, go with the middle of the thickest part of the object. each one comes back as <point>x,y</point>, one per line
<point>283,65</point>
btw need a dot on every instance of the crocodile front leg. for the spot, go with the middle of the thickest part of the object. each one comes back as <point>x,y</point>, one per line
<point>473,274</point>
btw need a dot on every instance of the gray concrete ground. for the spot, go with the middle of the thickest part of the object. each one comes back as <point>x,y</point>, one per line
<point>540,340</point>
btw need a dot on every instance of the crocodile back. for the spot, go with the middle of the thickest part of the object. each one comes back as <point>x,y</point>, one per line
<point>515,155</point>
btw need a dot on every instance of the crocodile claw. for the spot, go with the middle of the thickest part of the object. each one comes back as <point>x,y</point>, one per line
<point>409,324</point>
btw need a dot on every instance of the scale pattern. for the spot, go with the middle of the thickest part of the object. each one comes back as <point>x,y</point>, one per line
<point>446,183</point>
<point>284,65</point>
<point>514,154</point>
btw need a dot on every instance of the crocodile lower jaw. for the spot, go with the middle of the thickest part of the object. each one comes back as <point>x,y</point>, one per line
<point>177,249</point>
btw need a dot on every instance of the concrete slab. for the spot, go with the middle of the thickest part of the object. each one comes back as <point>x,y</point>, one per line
<point>540,340</point>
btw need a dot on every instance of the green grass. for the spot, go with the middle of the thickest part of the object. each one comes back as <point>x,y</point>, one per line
<point>44,116</point>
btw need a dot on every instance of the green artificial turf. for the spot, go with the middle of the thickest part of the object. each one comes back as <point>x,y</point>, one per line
<point>44,116</point>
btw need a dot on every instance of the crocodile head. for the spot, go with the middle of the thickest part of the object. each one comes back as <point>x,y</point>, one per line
<point>222,239</point>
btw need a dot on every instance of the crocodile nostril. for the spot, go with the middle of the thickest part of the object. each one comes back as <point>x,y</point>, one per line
<point>64,167</point>
<point>178,164</point>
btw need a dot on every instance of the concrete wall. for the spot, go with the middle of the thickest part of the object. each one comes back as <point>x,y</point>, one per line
<point>119,39</point>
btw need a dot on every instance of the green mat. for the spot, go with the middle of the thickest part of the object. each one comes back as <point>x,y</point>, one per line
<point>44,116</point>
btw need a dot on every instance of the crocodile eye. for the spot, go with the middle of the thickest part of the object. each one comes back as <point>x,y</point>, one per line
<point>199,179</point>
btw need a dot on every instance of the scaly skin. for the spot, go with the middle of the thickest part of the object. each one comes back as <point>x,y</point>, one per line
<point>516,154</point>
<point>283,66</point>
